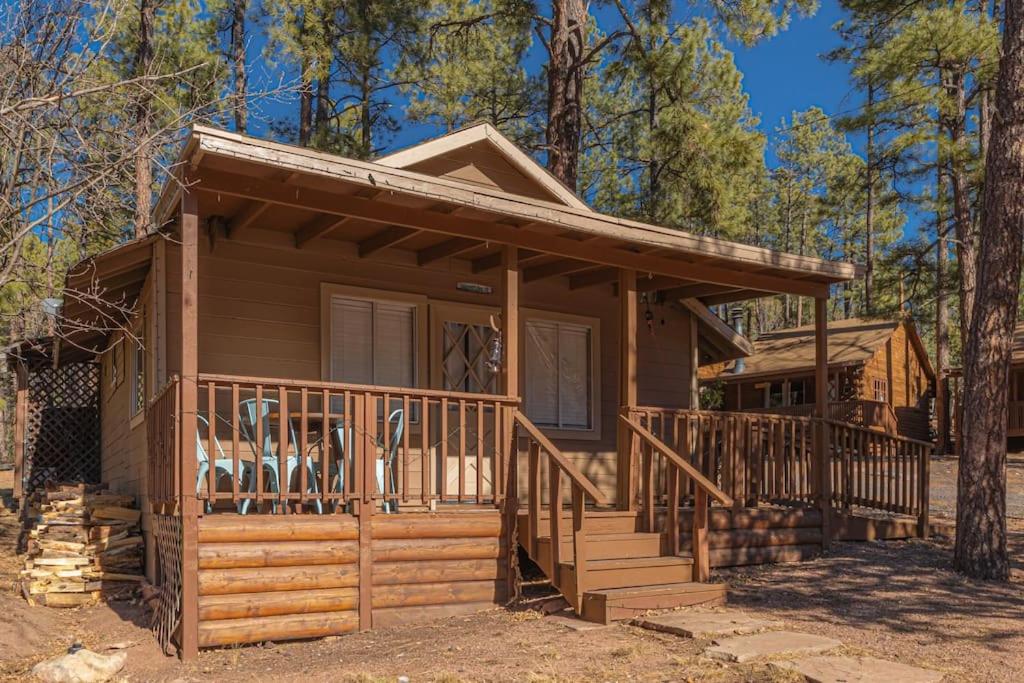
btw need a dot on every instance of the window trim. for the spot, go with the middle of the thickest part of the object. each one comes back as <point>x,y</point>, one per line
<point>329,290</point>
<point>528,314</point>
<point>132,345</point>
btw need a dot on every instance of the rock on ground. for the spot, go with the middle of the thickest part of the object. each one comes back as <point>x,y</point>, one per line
<point>707,624</point>
<point>770,644</point>
<point>857,670</point>
<point>83,666</point>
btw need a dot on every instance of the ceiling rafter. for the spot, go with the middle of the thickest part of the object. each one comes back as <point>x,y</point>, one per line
<point>388,237</point>
<point>320,226</point>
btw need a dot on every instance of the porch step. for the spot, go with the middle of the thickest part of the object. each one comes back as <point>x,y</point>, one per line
<point>604,546</point>
<point>615,604</point>
<point>598,521</point>
<point>628,573</point>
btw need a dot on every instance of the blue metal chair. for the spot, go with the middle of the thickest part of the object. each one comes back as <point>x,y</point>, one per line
<point>344,443</point>
<point>223,465</point>
<point>269,457</point>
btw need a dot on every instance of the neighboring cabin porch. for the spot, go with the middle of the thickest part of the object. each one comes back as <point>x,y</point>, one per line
<point>322,333</point>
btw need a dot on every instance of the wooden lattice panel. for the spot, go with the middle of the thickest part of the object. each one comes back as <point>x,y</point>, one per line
<point>62,425</point>
<point>167,616</point>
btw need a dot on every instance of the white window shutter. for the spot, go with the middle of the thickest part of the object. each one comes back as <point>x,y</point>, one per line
<point>542,372</point>
<point>351,341</point>
<point>574,376</point>
<point>394,345</point>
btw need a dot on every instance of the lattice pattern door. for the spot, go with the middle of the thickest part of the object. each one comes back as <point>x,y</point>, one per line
<point>464,356</point>
<point>62,425</point>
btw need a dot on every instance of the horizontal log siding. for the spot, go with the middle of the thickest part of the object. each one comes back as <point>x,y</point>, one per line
<point>265,577</point>
<point>259,308</point>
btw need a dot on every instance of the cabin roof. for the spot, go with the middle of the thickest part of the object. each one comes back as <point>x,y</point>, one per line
<point>230,164</point>
<point>791,351</point>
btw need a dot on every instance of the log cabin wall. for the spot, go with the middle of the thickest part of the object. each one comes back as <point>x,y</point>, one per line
<point>259,315</point>
<point>899,365</point>
<point>298,576</point>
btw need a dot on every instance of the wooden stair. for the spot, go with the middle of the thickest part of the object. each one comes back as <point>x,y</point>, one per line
<point>628,572</point>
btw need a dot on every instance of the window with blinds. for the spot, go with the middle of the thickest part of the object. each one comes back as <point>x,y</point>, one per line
<point>559,375</point>
<point>373,342</point>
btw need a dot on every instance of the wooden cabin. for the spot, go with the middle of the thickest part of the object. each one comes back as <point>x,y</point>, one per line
<point>345,392</point>
<point>1015,397</point>
<point>879,375</point>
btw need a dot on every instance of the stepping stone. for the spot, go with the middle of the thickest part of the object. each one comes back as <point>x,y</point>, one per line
<point>769,644</point>
<point>575,623</point>
<point>857,670</point>
<point>706,624</point>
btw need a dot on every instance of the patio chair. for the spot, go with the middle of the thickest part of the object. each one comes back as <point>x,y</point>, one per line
<point>269,458</point>
<point>344,442</point>
<point>223,465</point>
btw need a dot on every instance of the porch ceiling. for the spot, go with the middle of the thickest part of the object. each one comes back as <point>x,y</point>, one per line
<point>312,196</point>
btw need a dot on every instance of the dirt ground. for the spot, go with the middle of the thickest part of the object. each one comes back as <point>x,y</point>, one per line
<point>896,600</point>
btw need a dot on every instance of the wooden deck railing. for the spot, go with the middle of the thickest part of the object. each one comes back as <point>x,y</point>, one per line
<point>862,412</point>
<point>163,446</point>
<point>320,445</point>
<point>878,471</point>
<point>750,456</point>
<point>581,488</point>
<point>678,473</point>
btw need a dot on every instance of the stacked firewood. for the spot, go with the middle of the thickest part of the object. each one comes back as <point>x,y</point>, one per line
<point>83,545</point>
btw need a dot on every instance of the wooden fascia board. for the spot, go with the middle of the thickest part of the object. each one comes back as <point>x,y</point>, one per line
<point>922,353</point>
<point>301,197</point>
<point>367,174</point>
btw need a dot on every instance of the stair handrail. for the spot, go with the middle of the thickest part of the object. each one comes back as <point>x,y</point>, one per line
<point>703,487</point>
<point>582,488</point>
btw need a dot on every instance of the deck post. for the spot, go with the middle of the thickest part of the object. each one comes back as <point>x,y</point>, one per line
<point>510,387</point>
<point>694,340</point>
<point>627,387</point>
<point>189,365</point>
<point>20,415</point>
<point>821,412</point>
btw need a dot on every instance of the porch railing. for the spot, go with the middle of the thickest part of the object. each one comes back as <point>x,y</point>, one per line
<point>276,445</point>
<point>163,446</point>
<point>750,456</point>
<point>878,471</point>
<point>862,412</point>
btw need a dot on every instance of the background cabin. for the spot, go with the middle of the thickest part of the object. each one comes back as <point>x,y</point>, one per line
<point>346,392</point>
<point>1015,406</point>
<point>879,375</point>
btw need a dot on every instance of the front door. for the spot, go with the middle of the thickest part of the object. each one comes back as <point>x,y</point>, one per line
<point>461,345</point>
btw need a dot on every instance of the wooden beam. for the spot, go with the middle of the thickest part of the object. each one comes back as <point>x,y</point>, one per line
<point>653,284</point>
<point>485,263</point>
<point>450,247</point>
<point>627,386</point>
<point>733,295</point>
<point>394,215</point>
<point>695,291</point>
<point>189,367</point>
<point>318,227</point>
<point>597,276</point>
<point>693,330</point>
<point>389,237</point>
<point>245,217</point>
<point>554,269</point>
<point>822,449</point>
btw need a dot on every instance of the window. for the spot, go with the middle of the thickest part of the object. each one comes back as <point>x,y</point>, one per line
<point>881,389</point>
<point>372,342</point>
<point>559,374</point>
<point>138,373</point>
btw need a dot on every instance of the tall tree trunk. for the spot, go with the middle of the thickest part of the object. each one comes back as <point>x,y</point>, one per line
<point>941,325</point>
<point>981,488</point>
<point>305,93</point>
<point>565,88</point>
<point>803,246</point>
<point>238,64</point>
<point>869,211</point>
<point>966,230</point>
<point>143,121</point>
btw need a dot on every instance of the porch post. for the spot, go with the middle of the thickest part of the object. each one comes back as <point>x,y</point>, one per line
<point>821,412</point>
<point>189,364</point>
<point>627,386</point>
<point>694,334</point>
<point>510,387</point>
<point>510,319</point>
